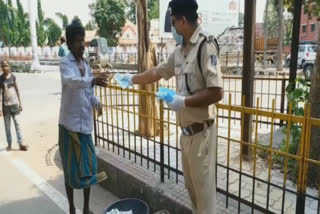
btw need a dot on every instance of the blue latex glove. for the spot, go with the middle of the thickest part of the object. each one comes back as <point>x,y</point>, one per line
<point>178,103</point>
<point>124,80</point>
<point>166,94</point>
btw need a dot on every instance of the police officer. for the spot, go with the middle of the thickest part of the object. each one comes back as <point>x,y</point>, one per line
<point>195,64</point>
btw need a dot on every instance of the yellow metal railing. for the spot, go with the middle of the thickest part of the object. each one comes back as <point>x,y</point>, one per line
<point>121,113</point>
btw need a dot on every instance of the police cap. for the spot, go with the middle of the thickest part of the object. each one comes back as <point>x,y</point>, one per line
<point>183,7</point>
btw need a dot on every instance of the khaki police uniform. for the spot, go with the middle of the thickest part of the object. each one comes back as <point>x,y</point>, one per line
<point>198,150</point>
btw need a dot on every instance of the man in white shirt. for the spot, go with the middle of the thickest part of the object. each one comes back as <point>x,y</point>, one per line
<point>76,118</point>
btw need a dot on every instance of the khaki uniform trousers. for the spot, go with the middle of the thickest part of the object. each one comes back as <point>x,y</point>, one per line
<point>198,164</point>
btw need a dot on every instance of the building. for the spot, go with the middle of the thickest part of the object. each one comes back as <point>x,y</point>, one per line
<point>129,36</point>
<point>231,40</point>
<point>309,30</point>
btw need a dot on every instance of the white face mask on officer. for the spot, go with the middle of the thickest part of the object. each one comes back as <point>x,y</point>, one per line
<point>177,36</point>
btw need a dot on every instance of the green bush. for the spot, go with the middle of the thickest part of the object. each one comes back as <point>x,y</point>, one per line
<point>297,97</point>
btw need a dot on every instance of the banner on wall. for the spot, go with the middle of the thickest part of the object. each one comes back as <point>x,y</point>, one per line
<point>214,15</point>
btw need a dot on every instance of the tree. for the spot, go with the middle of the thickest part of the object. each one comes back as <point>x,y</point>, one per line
<point>53,31</point>
<point>313,9</point>
<point>12,22</point>
<point>64,19</point>
<point>110,18</point>
<point>288,22</point>
<point>90,26</point>
<point>131,13</point>
<point>241,19</point>
<point>289,5</point>
<point>146,59</point>
<point>21,29</point>
<point>271,18</point>
<point>4,25</point>
<point>41,34</point>
<point>266,32</point>
<point>153,10</point>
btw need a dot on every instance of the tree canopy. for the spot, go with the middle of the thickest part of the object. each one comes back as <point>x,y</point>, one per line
<point>110,18</point>
<point>153,10</point>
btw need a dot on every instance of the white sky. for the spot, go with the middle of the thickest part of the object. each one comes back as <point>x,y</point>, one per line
<point>80,8</point>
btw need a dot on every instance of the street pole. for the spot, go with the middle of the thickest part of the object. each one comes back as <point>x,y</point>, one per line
<point>35,66</point>
<point>280,40</point>
<point>295,41</point>
<point>265,36</point>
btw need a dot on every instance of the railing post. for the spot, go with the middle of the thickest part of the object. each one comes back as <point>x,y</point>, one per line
<point>227,56</point>
<point>161,142</point>
<point>283,97</point>
<point>301,198</point>
<point>303,165</point>
<point>95,125</point>
<point>238,61</point>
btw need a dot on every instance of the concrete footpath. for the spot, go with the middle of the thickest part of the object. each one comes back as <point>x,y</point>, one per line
<point>32,182</point>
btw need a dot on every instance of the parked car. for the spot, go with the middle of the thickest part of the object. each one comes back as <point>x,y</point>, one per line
<point>98,49</point>
<point>98,53</point>
<point>307,54</point>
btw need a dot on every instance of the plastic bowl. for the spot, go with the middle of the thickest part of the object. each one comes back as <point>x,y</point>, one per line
<point>137,206</point>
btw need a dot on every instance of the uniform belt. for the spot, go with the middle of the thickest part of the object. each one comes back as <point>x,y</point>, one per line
<point>196,128</point>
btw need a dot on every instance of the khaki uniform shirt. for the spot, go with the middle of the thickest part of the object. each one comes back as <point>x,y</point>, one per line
<point>183,61</point>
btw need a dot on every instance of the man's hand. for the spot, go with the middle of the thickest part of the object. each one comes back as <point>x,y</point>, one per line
<point>20,108</point>
<point>102,79</point>
<point>124,80</point>
<point>99,109</point>
<point>98,106</point>
<point>99,112</point>
<point>1,113</point>
<point>177,103</point>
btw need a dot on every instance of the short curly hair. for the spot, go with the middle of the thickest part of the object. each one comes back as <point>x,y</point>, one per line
<point>72,30</point>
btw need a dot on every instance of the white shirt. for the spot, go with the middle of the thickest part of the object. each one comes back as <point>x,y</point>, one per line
<point>78,99</point>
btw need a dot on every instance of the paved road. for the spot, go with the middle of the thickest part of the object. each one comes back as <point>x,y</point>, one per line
<point>32,182</point>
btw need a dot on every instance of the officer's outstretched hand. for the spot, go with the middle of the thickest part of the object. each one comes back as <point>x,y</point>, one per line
<point>124,80</point>
<point>177,103</point>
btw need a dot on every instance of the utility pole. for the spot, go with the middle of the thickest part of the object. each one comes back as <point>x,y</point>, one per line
<point>295,41</point>
<point>35,66</point>
<point>266,32</point>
